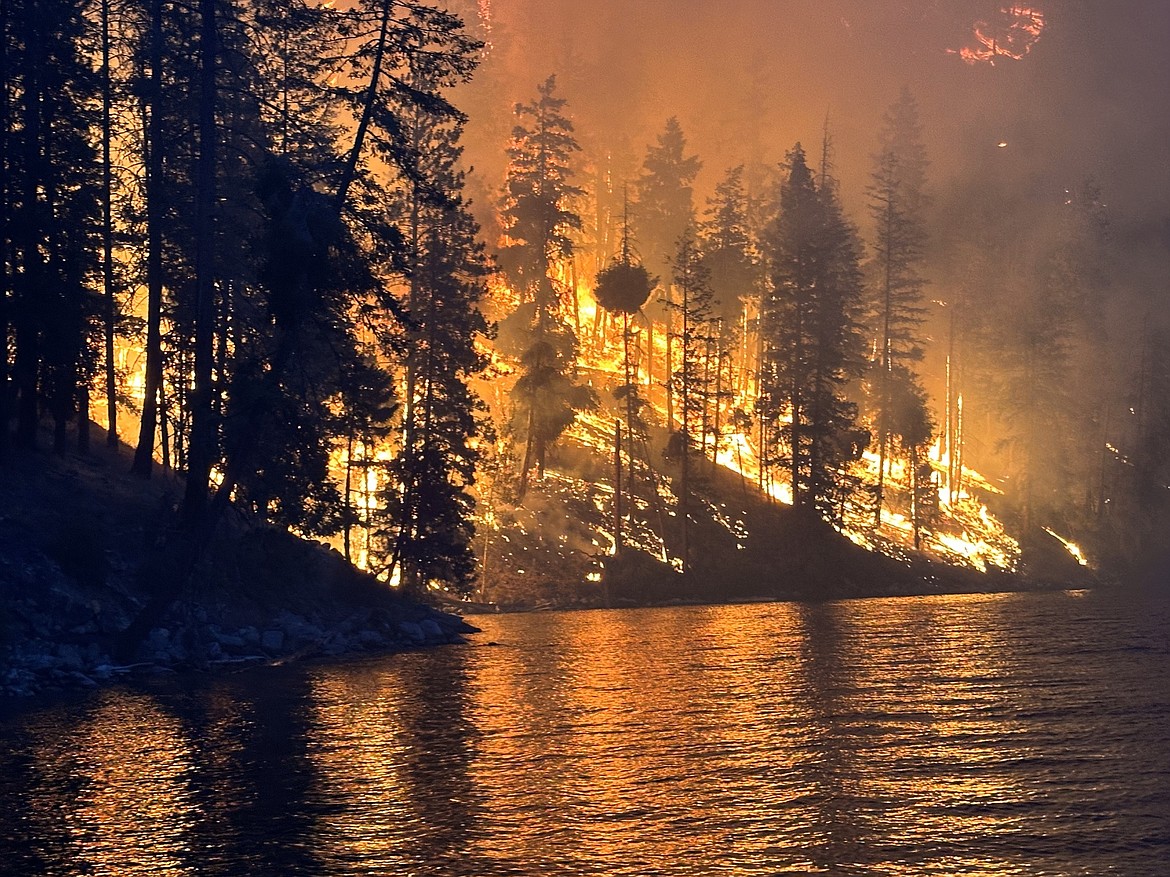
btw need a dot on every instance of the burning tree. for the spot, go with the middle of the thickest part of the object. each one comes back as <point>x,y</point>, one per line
<point>538,220</point>
<point>897,202</point>
<point>727,247</point>
<point>623,287</point>
<point>691,325</point>
<point>663,213</point>
<point>664,209</point>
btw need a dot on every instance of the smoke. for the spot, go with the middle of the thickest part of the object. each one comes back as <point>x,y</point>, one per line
<point>748,79</point>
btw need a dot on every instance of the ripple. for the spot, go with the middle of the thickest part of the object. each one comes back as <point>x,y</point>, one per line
<point>1017,734</point>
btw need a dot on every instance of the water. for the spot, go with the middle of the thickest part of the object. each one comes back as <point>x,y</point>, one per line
<point>1015,734</point>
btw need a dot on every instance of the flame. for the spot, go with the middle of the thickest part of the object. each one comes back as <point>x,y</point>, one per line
<point>1071,547</point>
<point>1012,35</point>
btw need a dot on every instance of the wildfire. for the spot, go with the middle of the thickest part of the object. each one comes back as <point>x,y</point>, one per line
<point>1011,35</point>
<point>1071,547</point>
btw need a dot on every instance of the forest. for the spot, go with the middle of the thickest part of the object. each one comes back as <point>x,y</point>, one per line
<point>241,239</point>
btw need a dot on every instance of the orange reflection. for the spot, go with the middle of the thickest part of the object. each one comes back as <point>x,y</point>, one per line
<point>119,782</point>
<point>928,751</point>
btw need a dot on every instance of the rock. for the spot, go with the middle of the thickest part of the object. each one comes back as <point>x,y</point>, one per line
<point>412,631</point>
<point>431,630</point>
<point>453,623</point>
<point>250,635</point>
<point>298,630</point>
<point>69,656</point>
<point>159,640</point>
<point>272,640</point>
<point>371,639</point>
<point>228,640</point>
<point>19,681</point>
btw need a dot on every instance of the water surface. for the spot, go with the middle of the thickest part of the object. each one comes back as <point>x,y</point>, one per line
<point>1007,734</point>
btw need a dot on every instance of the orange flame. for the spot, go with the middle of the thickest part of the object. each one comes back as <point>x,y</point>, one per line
<point>1011,36</point>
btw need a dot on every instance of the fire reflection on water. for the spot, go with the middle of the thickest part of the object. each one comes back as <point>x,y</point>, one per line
<point>902,736</point>
<point>111,795</point>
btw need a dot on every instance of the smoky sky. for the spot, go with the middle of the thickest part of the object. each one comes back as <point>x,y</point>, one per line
<point>748,78</point>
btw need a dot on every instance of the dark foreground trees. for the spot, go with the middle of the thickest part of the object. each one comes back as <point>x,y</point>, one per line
<point>282,178</point>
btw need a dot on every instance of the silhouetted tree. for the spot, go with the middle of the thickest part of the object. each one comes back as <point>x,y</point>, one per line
<point>427,497</point>
<point>665,208</point>
<point>690,323</point>
<point>538,221</point>
<point>813,344</point>
<point>50,214</point>
<point>897,204</point>
<point>727,247</point>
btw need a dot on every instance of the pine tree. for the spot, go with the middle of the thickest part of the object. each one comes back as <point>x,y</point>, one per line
<point>909,421</point>
<point>897,204</point>
<point>623,287</point>
<point>51,209</point>
<point>690,317</point>
<point>538,222</point>
<point>428,502</point>
<point>727,247</point>
<point>813,345</point>
<point>665,208</point>
<point>663,212</point>
<point>6,194</point>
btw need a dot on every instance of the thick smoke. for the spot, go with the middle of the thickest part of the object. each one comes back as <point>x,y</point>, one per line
<point>747,79</point>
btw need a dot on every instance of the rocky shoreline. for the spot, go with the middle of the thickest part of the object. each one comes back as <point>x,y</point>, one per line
<point>56,659</point>
<point>80,543</point>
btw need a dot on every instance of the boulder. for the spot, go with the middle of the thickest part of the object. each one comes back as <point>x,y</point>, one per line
<point>412,631</point>
<point>272,640</point>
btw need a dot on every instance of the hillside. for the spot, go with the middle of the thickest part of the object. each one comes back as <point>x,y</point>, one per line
<point>77,533</point>
<point>556,548</point>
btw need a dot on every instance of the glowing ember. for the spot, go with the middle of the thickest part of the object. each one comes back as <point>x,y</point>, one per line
<point>1012,35</point>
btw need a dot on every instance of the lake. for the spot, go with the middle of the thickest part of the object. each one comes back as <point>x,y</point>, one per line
<point>1006,734</point>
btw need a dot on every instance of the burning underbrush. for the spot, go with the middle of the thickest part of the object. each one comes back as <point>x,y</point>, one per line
<point>560,547</point>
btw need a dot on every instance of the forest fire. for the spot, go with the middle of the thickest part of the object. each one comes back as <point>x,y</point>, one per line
<point>1012,35</point>
<point>464,437</point>
<point>460,367</point>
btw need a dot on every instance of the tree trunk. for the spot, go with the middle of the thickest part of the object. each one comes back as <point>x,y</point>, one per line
<point>346,523</point>
<point>527,464</point>
<point>26,323</point>
<point>886,364</point>
<point>668,373</point>
<point>83,419</point>
<point>351,162</point>
<point>718,404</point>
<point>144,452</point>
<point>110,305</point>
<point>914,495</point>
<point>5,231</point>
<point>617,486</point>
<point>201,450</point>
